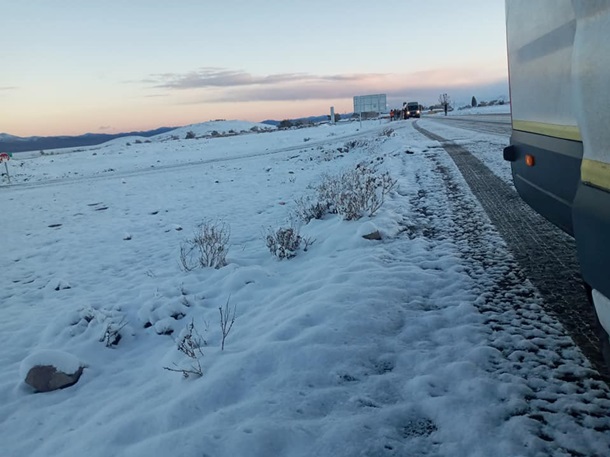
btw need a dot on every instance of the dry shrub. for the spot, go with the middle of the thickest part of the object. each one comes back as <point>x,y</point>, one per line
<point>208,248</point>
<point>353,194</point>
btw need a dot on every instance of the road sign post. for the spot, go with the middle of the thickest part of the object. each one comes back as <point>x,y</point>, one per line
<point>5,157</point>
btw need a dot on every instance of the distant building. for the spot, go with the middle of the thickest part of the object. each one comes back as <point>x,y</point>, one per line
<point>370,104</point>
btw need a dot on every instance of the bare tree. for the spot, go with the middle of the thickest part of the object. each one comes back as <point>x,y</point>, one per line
<point>445,101</point>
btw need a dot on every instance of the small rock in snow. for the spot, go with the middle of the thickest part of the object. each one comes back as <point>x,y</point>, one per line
<point>369,231</point>
<point>46,371</point>
<point>372,236</point>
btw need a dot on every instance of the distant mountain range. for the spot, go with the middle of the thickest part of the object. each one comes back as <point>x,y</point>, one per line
<point>11,143</point>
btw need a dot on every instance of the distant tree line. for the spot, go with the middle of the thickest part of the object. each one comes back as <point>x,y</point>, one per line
<point>301,123</point>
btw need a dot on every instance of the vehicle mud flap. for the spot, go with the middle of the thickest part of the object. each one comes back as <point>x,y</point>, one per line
<point>602,334</point>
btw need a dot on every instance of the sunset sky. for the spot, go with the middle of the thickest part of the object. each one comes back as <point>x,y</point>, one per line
<point>69,67</point>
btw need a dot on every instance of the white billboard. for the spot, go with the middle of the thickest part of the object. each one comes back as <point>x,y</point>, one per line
<point>370,103</point>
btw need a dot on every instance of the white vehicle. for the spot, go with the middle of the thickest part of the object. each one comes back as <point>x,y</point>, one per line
<point>559,73</point>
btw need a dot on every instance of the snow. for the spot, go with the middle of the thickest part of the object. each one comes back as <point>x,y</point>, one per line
<point>467,110</point>
<point>353,347</point>
<point>480,110</point>
<point>62,361</point>
<point>220,127</point>
<point>486,147</point>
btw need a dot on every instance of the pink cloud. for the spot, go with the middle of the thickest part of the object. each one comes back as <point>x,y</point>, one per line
<point>214,85</point>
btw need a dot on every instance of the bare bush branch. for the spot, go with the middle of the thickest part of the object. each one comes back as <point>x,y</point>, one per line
<point>112,333</point>
<point>307,242</point>
<point>190,345</point>
<point>186,256</point>
<point>227,319</point>
<point>384,184</point>
<point>388,131</point>
<point>308,209</point>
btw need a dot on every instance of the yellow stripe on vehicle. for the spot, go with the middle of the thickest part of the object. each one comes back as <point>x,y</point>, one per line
<point>595,173</point>
<point>566,132</point>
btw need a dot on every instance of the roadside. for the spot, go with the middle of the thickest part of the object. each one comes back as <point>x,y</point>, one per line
<point>428,341</point>
<point>528,293</point>
<point>545,254</point>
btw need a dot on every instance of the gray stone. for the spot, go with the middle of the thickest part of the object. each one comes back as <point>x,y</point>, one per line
<point>372,236</point>
<point>46,378</point>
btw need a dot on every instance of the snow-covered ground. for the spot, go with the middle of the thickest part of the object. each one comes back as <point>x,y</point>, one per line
<point>479,110</point>
<point>486,147</point>
<point>354,347</point>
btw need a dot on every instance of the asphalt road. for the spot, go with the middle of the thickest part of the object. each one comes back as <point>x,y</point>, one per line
<point>485,123</point>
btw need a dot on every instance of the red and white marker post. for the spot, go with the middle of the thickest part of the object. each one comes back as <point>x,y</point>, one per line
<point>4,158</point>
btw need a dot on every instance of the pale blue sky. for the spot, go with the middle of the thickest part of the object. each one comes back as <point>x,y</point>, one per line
<point>70,67</point>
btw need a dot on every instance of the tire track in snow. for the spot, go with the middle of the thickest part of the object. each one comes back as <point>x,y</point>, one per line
<point>566,403</point>
<point>546,254</point>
